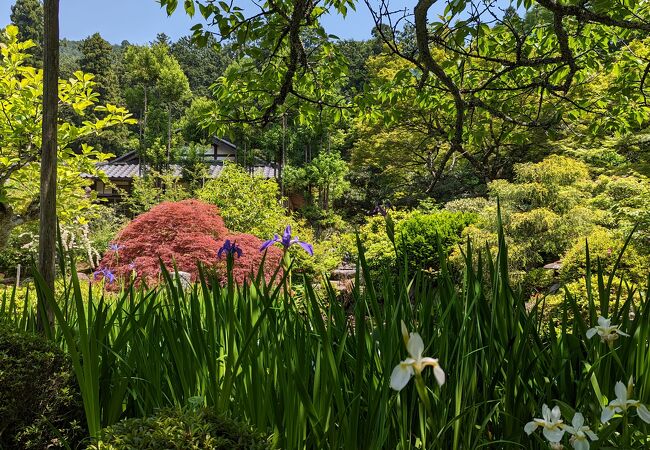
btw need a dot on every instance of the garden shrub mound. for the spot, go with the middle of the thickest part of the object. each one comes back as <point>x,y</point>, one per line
<point>176,429</point>
<point>422,236</point>
<point>181,234</point>
<point>40,405</point>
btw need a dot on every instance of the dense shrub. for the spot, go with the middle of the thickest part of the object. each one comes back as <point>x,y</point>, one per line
<point>39,402</point>
<point>175,429</point>
<point>416,237</point>
<point>421,234</point>
<point>22,248</point>
<point>551,208</point>
<point>180,234</point>
<point>604,247</point>
<point>379,251</point>
<point>248,204</point>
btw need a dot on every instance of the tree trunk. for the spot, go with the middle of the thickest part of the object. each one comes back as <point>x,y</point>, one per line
<point>169,135</point>
<point>6,223</point>
<point>47,226</point>
<point>142,160</point>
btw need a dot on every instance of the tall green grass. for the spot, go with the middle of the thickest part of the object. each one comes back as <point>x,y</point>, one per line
<point>316,374</point>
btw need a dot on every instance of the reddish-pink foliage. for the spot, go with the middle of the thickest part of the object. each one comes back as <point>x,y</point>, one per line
<point>246,267</point>
<point>181,234</point>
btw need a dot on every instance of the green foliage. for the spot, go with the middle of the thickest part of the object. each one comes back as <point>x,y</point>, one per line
<point>40,406</point>
<point>626,199</point>
<point>557,183</point>
<point>202,64</point>
<point>327,174</point>
<point>151,189</point>
<point>604,248</point>
<point>97,58</point>
<point>21,248</point>
<point>191,123</point>
<point>21,89</point>
<point>194,168</point>
<point>379,250</point>
<point>294,365</point>
<point>248,204</point>
<point>157,89</point>
<point>322,182</point>
<point>171,428</point>
<point>552,207</point>
<point>28,15</point>
<point>420,236</point>
<point>288,36</point>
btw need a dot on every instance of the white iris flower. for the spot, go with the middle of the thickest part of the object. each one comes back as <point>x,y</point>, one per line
<point>551,424</point>
<point>607,332</point>
<point>580,433</point>
<point>622,403</point>
<point>415,364</point>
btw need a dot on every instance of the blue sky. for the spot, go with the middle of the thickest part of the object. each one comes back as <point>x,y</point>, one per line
<point>138,21</point>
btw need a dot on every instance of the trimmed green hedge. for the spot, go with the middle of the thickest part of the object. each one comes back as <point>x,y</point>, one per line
<point>182,430</point>
<point>40,406</point>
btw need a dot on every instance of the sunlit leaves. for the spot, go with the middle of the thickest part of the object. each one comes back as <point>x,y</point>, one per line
<point>21,89</point>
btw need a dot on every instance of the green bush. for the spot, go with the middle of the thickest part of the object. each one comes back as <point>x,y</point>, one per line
<point>549,210</point>
<point>421,234</point>
<point>379,251</point>
<point>416,238</point>
<point>248,204</point>
<point>22,248</point>
<point>604,247</point>
<point>40,405</point>
<point>177,429</point>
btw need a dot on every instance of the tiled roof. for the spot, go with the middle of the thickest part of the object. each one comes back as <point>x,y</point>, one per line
<point>126,171</point>
<point>120,170</point>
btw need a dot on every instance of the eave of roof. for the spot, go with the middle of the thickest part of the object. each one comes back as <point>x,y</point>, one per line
<point>130,171</point>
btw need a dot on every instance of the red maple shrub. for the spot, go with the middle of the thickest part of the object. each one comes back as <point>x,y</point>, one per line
<point>247,265</point>
<point>181,234</point>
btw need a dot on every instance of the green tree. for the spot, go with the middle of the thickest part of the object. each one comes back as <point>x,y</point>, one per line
<point>158,91</point>
<point>248,204</point>
<point>21,91</point>
<point>28,15</point>
<point>286,58</point>
<point>202,64</point>
<point>97,57</point>
<point>486,86</point>
<point>191,124</point>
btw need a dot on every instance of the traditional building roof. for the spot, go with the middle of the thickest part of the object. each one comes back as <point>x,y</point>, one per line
<point>127,166</point>
<point>121,171</point>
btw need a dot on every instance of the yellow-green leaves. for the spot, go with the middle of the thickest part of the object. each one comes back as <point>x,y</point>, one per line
<point>21,88</point>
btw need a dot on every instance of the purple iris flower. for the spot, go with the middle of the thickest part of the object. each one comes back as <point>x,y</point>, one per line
<point>106,272</point>
<point>287,241</point>
<point>115,247</point>
<point>230,248</point>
